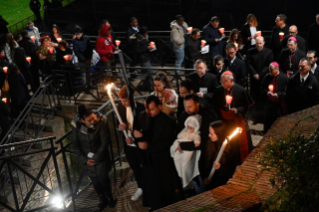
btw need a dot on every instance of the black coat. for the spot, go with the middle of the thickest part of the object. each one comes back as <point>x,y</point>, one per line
<point>35,5</point>
<point>210,34</point>
<point>218,73</point>
<point>316,73</point>
<point>129,33</point>
<point>313,37</point>
<point>275,43</point>
<point>299,97</point>
<point>83,48</point>
<point>238,68</point>
<point>302,45</point>
<point>192,48</point>
<point>284,60</point>
<point>3,26</point>
<point>29,47</point>
<point>59,57</point>
<point>97,142</point>
<point>18,91</point>
<point>161,185</point>
<point>258,63</point>
<point>140,45</point>
<point>245,34</point>
<point>4,115</point>
<point>279,82</point>
<point>208,81</point>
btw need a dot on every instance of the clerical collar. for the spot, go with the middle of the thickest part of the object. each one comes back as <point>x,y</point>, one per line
<point>260,50</point>
<point>313,68</point>
<point>293,51</point>
<point>305,78</point>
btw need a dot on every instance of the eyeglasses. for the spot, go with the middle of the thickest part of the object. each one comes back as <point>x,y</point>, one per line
<point>292,32</point>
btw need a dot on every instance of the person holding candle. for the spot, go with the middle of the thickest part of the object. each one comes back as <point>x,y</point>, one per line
<point>236,65</point>
<point>63,51</point>
<point>213,37</point>
<point>192,48</point>
<point>90,138</point>
<point>227,165</point>
<point>274,90</point>
<point>163,89</point>
<point>83,50</point>
<point>235,38</point>
<point>204,83</point>
<point>275,40</point>
<point>55,34</point>
<point>313,58</point>
<point>233,114</point>
<point>313,35</point>
<point>106,22</point>
<point>10,46</point>
<point>155,133</point>
<point>177,37</point>
<point>4,117</point>
<point>293,32</point>
<point>142,49</point>
<point>258,60</point>
<point>105,47</point>
<point>3,58</point>
<point>302,89</point>
<point>249,32</point>
<point>45,56</point>
<point>289,58</point>
<point>34,31</point>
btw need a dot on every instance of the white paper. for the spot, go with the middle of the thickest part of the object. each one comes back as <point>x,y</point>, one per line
<point>205,49</point>
<point>203,90</point>
<point>153,49</point>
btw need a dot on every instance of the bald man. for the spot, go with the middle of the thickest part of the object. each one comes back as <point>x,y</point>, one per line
<point>258,60</point>
<point>274,107</point>
<point>293,32</point>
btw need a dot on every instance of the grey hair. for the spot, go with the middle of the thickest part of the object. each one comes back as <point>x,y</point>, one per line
<point>305,59</point>
<point>230,77</point>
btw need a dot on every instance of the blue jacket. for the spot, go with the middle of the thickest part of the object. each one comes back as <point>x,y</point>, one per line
<point>210,34</point>
<point>82,48</point>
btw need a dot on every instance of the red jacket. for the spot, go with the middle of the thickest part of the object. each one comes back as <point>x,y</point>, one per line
<point>104,44</point>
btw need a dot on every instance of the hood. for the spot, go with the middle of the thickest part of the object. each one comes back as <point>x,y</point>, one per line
<point>104,30</point>
<point>174,25</point>
<point>194,121</point>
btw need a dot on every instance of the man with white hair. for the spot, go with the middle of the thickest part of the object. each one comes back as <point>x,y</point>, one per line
<point>258,60</point>
<point>274,87</point>
<point>293,32</point>
<point>233,112</point>
<point>313,35</point>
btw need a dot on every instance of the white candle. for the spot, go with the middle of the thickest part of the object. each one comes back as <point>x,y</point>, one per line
<point>221,151</point>
<point>108,87</point>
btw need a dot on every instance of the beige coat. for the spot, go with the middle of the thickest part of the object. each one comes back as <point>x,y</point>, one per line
<point>177,34</point>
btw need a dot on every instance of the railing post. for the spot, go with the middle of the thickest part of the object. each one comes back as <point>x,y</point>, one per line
<point>13,187</point>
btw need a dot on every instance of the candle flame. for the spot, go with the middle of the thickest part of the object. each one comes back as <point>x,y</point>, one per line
<point>108,87</point>
<point>238,130</point>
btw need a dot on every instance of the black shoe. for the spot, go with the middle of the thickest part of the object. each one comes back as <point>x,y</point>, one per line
<point>104,202</point>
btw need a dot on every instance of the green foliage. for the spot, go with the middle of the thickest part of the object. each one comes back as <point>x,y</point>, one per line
<point>294,162</point>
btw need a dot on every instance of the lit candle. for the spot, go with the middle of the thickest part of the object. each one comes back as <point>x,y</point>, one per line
<point>152,44</point>
<point>59,39</point>
<point>222,149</point>
<point>281,35</point>
<point>203,42</point>
<point>28,59</point>
<point>5,69</point>
<point>258,33</point>
<point>51,50</point>
<point>108,88</point>
<point>190,29</point>
<point>271,88</point>
<point>4,100</point>
<point>117,42</point>
<point>66,57</point>
<point>32,38</point>
<point>221,30</point>
<point>229,99</point>
<point>236,44</point>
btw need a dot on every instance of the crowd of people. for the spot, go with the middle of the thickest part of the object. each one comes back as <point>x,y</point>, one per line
<point>173,140</point>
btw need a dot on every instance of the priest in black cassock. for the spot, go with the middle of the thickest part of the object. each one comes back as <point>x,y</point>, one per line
<point>302,89</point>
<point>275,40</point>
<point>289,58</point>
<point>293,32</point>
<point>313,58</point>
<point>235,65</point>
<point>204,83</point>
<point>258,60</point>
<point>274,90</point>
<point>154,131</point>
<point>234,113</point>
<point>313,35</point>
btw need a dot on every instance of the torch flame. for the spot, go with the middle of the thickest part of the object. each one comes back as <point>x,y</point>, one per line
<point>238,130</point>
<point>108,87</point>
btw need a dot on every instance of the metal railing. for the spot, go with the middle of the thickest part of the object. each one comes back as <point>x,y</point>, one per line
<point>21,25</point>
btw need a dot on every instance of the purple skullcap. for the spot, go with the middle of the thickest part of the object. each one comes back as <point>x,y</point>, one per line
<point>293,38</point>
<point>275,64</point>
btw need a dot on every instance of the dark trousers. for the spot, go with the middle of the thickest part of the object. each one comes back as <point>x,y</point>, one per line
<point>134,158</point>
<point>102,185</point>
<point>37,14</point>
<point>273,110</point>
<point>256,110</point>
